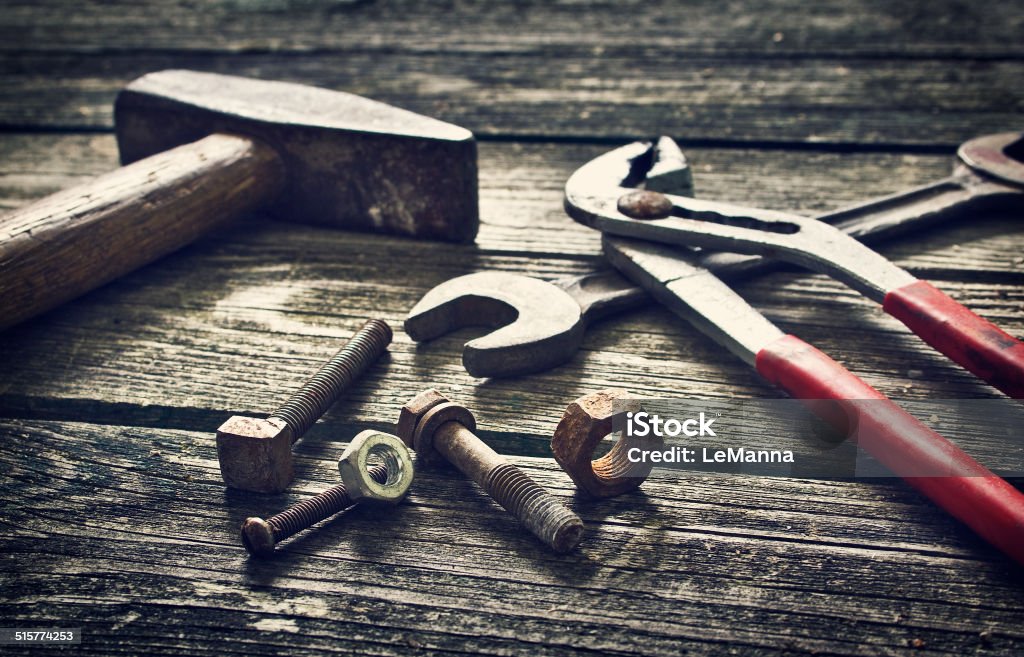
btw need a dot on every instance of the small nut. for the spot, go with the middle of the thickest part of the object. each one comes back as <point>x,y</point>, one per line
<point>367,448</point>
<point>255,454</point>
<point>584,424</point>
<point>414,410</point>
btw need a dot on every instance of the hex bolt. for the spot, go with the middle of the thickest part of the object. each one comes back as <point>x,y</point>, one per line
<point>441,430</point>
<point>255,454</point>
<point>385,481</point>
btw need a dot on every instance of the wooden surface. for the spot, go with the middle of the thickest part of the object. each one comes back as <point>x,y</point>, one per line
<point>113,514</point>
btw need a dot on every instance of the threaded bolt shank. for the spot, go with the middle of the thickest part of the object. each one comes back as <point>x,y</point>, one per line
<point>306,406</point>
<point>260,536</point>
<point>539,511</point>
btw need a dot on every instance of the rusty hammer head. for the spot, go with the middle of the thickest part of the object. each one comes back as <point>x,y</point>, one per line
<point>351,162</point>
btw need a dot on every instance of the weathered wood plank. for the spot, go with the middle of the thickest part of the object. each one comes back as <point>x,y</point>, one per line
<point>791,28</point>
<point>764,566</point>
<point>620,94</point>
<point>237,321</point>
<point>165,346</point>
<point>521,195</point>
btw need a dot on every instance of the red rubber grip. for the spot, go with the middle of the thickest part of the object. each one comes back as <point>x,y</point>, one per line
<point>972,494</point>
<point>976,344</point>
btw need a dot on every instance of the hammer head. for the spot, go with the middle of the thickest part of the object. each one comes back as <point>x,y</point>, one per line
<point>352,162</point>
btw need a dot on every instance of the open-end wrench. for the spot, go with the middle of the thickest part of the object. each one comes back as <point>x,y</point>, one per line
<point>972,342</point>
<point>549,318</point>
<point>927,461</point>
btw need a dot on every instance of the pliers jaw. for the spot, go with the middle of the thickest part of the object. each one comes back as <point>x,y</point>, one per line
<point>596,187</point>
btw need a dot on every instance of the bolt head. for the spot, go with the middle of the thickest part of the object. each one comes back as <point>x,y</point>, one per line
<point>258,537</point>
<point>366,448</point>
<point>255,454</point>
<point>645,204</point>
<point>584,424</point>
<point>431,421</point>
<point>414,410</point>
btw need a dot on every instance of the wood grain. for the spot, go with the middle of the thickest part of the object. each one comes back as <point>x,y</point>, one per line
<point>710,563</point>
<point>788,28</point>
<point>618,94</point>
<point>114,515</point>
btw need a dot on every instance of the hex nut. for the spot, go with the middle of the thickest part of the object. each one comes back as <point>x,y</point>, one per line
<point>584,424</point>
<point>388,450</point>
<point>429,422</point>
<point>255,454</point>
<point>414,409</point>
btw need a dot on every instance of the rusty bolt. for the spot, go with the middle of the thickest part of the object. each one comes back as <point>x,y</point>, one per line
<point>645,204</point>
<point>441,430</point>
<point>584,424</point>
<point>375,466</point>
<point>256,454</point>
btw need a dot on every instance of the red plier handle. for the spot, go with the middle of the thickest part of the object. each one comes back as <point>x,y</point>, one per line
<point>971,493</point>
<point>974,343</point>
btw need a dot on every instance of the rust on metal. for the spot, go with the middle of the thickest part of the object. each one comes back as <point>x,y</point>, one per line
<point>584,425</point>
<point>645,204</point>
<point>387,481</point>
<point>439,429</point>
<point>255,454</point>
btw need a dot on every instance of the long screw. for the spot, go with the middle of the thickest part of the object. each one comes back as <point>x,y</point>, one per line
<point>305,407</point>
<point>260,536</point>
<point>434,426</point>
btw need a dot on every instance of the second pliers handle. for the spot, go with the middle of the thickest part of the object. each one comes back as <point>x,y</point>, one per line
<point>934,466</point>
<point>974,343</point>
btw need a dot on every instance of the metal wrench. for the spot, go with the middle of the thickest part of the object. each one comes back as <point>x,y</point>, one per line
<point>972,342</point>
<point>549,318</point>
<point>927,461</point>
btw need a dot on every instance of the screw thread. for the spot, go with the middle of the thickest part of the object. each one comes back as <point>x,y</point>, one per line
<point>308,512</point>
<point>306,406</point>
<point>538,510</point>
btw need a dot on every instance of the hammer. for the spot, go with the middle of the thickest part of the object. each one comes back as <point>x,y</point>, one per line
<point>201,149</point>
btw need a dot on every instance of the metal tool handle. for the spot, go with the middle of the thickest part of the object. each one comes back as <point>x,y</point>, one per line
<point>889,216</point>
<point>974,343</point>
<point>64,245</point>
<point>972,493</point>
<point>870,222</point>
<point>602,293</point>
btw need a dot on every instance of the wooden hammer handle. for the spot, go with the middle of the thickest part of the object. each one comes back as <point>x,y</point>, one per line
<point>64,245</point>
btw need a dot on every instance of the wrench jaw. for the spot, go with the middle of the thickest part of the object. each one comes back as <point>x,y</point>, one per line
<point>541,325</point>
<point>999,156</point>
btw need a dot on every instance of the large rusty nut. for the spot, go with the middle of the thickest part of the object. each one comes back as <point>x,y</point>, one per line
<point>414,409</point>
<point>423,437</point>
<point>371,448</point>
<point>584,424</point>
<point>418,422</point>
<point>255,454</point>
